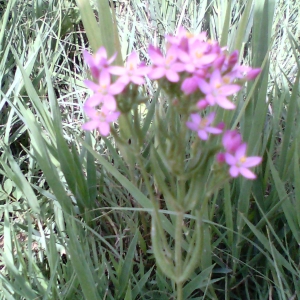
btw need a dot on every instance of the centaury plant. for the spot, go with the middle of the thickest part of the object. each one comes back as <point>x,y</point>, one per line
<point>196,77</point>
<point>173,173</point>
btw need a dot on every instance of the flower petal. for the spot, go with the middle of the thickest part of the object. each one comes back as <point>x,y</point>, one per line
<point>156,56</point>
<point>202,135</point>
<point>142,70</point>
<point>178,67</point>
<point>104,78</point>
<point>112,58</point>
<point>252,161</point>
<point>113,116</point>
<point>90,112</point>
<point>172,76</point>
<point>207,59</point>
<point>204,86</point>
<point>88,58</point>
<point>213,130</point>
<point>137,80</point>
<point>157,73</point>
<point>90,125</point>
<point>210,118</point>
<point>229,89</point>
<point>109,102</point>
<point>104,128</point>
<point>215,78</point>
<point>247,173</point>
<point>117,87</point>
<point>94,100</point>
<point>253,73</point>
<point>116,70</point>
<point>210,99</point>
<point>192,126</point>
<point>230,159</point>
<point>189,85</point>
<point>196,118</point>
<point>224,102</point>
<point>91,85</point>
<point>202,104</point>
<point>241,151</point>
<point>234,171</point>
<point>100,54</point>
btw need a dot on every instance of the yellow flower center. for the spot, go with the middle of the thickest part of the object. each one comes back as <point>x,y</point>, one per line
<point>100,115</point>
<point>169,59</point>
<point>189,35</point>
<point>131,67</point>
<point>203,123</point>
<point>102,89</point>
<point>226,79</point>
<point>199,54</point>
<point>243,159</point>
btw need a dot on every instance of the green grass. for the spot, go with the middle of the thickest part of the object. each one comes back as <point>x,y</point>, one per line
<point>75,211</point>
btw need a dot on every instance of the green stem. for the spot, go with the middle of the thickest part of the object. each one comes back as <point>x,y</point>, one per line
<point>192,260</point>
<point>178,253</point>
<point>136,149</point>
<point>155,206</point>
<point>179,286</point>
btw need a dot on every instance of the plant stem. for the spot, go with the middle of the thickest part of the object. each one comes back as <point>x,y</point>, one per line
<point>178,253</point>
<point>179,291</point>
<point>136,150</point>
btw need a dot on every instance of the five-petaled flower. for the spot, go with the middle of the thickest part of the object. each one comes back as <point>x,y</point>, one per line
<point>197,56</point>
<point>100,119</point>
<point>239,163</point>
<point>202,125</point>
<point>133,72</point>
<point>104,91</point>
<point>216,91</point>
<point>231,140</point>
<point>99,61</point>
<point>168,66</point>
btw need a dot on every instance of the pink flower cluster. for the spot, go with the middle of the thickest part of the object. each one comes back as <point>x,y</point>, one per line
<point>101,107</point>
<point>197,66</point>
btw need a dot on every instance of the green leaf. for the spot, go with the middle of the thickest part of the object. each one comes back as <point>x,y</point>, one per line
<point>19,180</point>
<point>79,261</point>
<point>127,266</point>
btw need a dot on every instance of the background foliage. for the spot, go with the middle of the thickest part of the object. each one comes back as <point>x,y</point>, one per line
<point>75,219</point>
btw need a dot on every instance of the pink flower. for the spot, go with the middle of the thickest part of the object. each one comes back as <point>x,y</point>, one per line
<point>233,58</point>
<point>252,74</point>
<point>217,90</point>
<point>221,158</point>
<point>98,61</point>
<point>219,61</point>
<point>183,38</point>
<point>133,72</point>
<point>104,91</point>
<point>231,141</point>
<point>239,163</point>
<point>202,104</point>
<point>201,125</point>
<point>165,66</point>
<point>190,84</point>
<point>244,72</point>
<point>197,57</point>
<point>100,119</point>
